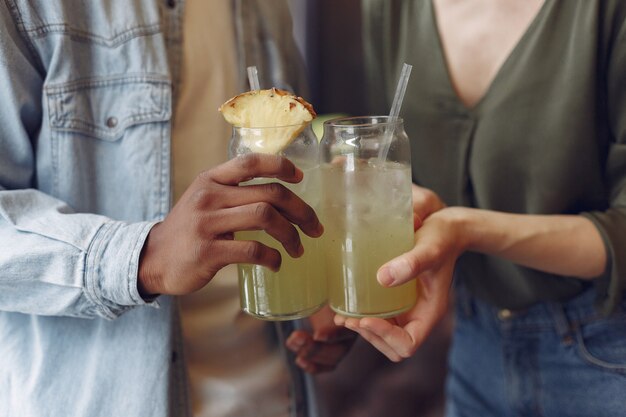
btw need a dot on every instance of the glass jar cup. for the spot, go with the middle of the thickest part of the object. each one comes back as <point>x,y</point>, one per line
<point>298,289</point>
<point>367,213</point>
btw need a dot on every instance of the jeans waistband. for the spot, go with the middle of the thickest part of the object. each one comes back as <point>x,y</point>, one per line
<point>560,316</point>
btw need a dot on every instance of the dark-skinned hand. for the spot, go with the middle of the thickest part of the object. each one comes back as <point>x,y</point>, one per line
<point>184,251</point>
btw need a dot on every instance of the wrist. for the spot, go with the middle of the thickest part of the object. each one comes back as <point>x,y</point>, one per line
<point>148,279</point>
<point>486,231</point>
<point>464,221</point>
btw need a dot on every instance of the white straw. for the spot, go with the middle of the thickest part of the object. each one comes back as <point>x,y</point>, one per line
<point>253,78</point>
<point>395,108</point>
<point>400,90</point>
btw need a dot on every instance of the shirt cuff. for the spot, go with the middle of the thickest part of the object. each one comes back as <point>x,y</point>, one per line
<point>112,264</point>
<point>611,284</point>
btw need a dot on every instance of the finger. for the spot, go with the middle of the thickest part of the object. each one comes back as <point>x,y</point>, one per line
<point>421,206</point>
<point>312,367</point>
<point>395,337</point>
<point>259,216</point>
<point>324,353</point>
<point>301,343</point>
<point>374,340</point>
<point>283,199</point>
<point>339,320</point>
<point>425,202</point>
<point>297,340</point>
<point>417,221</point>
<point>324,329</point>
<point>253,165</point>
<point>219,253</point>
<point>421,320</point>
<point>431,307</point>
<point>409,265</point>
<point>335,335</point>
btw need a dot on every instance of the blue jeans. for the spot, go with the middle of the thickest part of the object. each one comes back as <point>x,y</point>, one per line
<point>553,360</point>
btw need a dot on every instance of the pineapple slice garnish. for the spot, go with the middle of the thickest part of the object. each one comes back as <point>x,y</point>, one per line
<point>279,116</point>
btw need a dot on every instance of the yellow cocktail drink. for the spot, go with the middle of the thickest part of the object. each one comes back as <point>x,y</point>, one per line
<point>368,221</point>
<point>299,288</point>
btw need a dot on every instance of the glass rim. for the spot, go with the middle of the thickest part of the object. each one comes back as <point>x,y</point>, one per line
<point>385,120</point>
<point>261,128</point>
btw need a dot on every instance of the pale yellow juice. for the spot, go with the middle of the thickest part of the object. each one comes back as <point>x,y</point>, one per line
<point>368,220</point>
<point>299,288</point>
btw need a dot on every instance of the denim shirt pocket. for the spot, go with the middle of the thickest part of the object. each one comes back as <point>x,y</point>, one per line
<point>109,144</point>
<point>105,108</point>
<point>107,23</point>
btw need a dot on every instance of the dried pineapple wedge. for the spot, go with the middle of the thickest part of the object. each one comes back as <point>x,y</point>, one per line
<point>278,115</point>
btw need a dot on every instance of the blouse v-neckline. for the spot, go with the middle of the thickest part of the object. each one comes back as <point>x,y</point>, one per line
<point>530,30</point>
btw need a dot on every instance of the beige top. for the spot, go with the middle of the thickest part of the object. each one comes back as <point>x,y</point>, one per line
<point>233,369</point>
<point>200,134</point>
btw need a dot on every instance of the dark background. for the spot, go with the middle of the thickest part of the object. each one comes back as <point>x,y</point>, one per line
<point>366,383</point>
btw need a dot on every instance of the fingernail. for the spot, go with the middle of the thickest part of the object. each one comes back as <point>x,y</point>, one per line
<point>302,363</point>
<point>300,250</point>
<point>295,343</point>
<point>393,272</point>
<point>317,231</point>
<point>386,276</point>
<point>275,268</point>
<point>350,325</point>
<point>322,336</point>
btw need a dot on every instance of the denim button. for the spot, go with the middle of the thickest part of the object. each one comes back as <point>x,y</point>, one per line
<point>112,122</point>
<point>504,314</point>
<point>171,3</point>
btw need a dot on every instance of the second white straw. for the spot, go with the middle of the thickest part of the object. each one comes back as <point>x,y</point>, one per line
<point>253,78</point>
<point>400,90</point>
<point>395,109</point>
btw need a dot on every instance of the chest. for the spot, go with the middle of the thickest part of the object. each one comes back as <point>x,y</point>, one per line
<point>477,37</point>
<point>106,103</point>
<point>534,126</point>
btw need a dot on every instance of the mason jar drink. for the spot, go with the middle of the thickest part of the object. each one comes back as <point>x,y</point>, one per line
<point>298,289</point>
<point>367,213</point>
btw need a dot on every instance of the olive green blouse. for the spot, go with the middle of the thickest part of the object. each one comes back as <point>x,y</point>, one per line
<point>548,137</point>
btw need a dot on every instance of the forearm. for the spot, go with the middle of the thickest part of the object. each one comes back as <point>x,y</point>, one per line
<point>55,262</point>
<point>561,244</point>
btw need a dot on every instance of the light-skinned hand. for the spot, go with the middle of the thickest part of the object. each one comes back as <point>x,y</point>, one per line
<point>431,262</point>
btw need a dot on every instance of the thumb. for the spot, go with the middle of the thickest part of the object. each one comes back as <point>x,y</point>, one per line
<point>407,266</point>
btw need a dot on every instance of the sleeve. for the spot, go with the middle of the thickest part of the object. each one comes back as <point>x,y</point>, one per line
<point>52,261</point>
<point>612,222</point>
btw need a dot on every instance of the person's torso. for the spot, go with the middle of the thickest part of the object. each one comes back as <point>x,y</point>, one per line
<point>103,144</point>
<point>536,142</point>
<point>103,147</point>
<point>111,74</point>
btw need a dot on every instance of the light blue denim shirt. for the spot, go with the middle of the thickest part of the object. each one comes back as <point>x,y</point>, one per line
<point>86,93</point>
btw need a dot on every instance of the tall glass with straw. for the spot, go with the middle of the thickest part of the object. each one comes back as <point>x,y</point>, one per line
<point>367,210</point>
<point>298,289</point>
